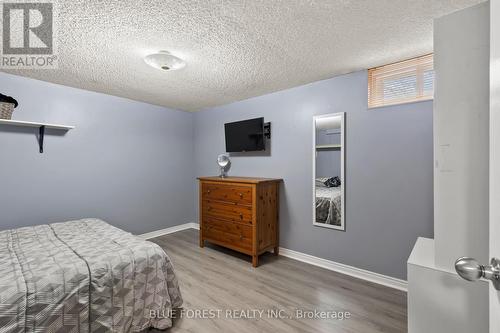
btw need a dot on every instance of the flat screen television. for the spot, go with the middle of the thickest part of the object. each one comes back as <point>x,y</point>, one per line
<point>245,135</point>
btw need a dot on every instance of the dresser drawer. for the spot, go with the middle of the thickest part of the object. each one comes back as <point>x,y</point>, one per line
<point>230,193</point>
<point>238,229</point>
<point>227,211</point>
<point>210,232</point>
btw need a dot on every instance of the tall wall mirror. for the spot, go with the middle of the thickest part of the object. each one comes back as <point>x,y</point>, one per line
<point>328,171</point>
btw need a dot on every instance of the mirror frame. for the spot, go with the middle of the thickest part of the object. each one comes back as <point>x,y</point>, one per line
<point>342,170</point>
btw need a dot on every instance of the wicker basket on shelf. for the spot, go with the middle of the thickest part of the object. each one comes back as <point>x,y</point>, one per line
<point>7,106</point>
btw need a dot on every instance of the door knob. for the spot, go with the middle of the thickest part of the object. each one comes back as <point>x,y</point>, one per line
<point>471,270</point>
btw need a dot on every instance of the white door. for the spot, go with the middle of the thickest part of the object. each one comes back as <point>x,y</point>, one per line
<point>494,156</point>
<point>469,268</point>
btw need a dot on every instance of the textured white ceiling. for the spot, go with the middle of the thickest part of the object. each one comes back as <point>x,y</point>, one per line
<point>234,49</point>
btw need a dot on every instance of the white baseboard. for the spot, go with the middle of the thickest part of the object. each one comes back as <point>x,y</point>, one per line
<point>170,230</point>
<point>308,259</point>
<point>346,269</point>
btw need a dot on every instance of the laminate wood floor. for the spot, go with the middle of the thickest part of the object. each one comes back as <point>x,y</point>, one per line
<point>224,282</point>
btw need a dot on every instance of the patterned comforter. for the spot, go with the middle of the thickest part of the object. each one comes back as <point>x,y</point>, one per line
<point>83,276</point>
<point>328,205</point>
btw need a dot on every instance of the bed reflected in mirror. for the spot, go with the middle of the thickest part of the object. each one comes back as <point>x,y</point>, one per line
<point>328,171</point>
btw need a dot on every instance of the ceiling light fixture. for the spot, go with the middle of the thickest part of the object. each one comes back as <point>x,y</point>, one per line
<point>165,61</point>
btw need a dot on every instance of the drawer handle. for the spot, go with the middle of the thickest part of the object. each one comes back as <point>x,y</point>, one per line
<point>209,208</point>
<point>241,236</point>
<point>241,216</point>
<point>241,195</point>
<point>208,191</point>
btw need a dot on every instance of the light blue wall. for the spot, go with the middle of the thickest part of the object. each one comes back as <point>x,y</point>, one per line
<point>127,162</point>
<point>389,185</point>
<point>134,164</point>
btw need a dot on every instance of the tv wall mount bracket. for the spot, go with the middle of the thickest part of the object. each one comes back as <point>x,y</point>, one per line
<point>267,130</point>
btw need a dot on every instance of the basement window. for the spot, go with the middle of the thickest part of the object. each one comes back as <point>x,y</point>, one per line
<point>402,82</point>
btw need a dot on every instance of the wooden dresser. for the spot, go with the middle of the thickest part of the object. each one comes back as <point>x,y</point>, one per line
<point>240,213</point>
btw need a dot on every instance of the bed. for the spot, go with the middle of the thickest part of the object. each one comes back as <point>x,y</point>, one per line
<point>328,205</point>
<point>83,276</point>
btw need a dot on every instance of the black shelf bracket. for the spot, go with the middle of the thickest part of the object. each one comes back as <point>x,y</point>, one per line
<point>41,134</point>
<point>267,130</point>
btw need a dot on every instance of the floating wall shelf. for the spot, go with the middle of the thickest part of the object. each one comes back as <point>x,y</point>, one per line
<point>332,146</point>
<point>41,128</point>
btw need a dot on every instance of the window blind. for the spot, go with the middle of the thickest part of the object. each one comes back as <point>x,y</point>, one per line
<point>402,82</point>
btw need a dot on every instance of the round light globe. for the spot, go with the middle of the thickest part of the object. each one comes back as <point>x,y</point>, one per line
<point>165,61</point>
